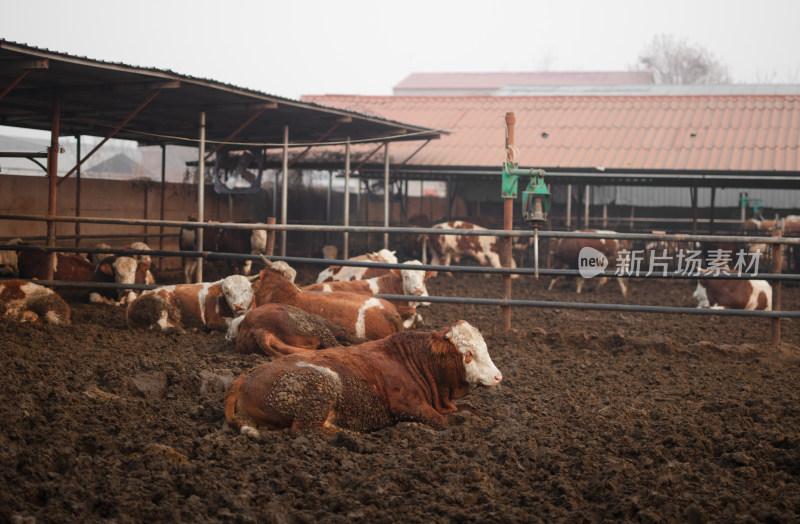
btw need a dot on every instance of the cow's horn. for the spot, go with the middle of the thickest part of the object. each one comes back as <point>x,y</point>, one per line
<point>266,260</point>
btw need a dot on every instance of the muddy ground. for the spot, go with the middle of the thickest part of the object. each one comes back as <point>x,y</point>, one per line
<point>600,417</point>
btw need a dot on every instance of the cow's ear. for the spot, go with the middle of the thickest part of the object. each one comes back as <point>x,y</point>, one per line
<point>428,274</point>
<point>106,268</point>
<point>467,357</point>
<point>440,345</point>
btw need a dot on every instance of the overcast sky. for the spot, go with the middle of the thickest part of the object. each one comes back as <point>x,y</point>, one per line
<point>295,47</point>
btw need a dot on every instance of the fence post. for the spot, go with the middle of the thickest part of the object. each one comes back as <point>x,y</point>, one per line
<point>508,224</point>
<point>777,259</point>
<point>270,237</point>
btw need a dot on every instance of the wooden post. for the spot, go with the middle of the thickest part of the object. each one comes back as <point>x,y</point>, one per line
<point>777,259</point>
<point>508,224</point>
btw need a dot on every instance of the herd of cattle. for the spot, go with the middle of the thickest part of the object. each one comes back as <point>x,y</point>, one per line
<point>372,372</point>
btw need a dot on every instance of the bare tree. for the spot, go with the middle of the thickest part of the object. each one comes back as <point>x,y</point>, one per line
<point>676,62</point>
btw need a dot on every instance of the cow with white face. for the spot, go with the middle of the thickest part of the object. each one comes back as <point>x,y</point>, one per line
<point>208,305</point>
<point>411,375</point>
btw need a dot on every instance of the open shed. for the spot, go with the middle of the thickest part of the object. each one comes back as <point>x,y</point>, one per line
<point>72,95</point>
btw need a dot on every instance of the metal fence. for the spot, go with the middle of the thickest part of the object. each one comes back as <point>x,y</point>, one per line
<point>775,277</point>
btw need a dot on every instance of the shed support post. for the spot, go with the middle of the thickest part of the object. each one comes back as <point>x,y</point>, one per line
<point>201,189</point>
<point>163,201</point>
<point>587,198</point>
<point>386,188</point>
<point>285,187</point>
<point>52,178</point>
<point>78,193</point>
<point>346,218</point>
<point>568,225</point>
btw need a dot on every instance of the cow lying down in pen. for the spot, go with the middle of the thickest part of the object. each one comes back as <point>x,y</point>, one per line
<point>280,329</point>
<point>207,305</point>
<point>363,316</point>
<point>412,375</point>
<point>394,282</point>
<point>22,301</point>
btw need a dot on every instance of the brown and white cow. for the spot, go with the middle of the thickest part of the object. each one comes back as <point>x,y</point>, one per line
<point>347,273</point>
<point>122,270</point>
<point>280,329</point>
<point>487,250</point>
<point>9,266</point>
<point>361,315</point>
<point>207,305</point>
<point>733,294</point>
<point>242,241</point>
<point>566,254</point>
<point>412,375</point>
<point>395,282</point>
<point>22,301</point>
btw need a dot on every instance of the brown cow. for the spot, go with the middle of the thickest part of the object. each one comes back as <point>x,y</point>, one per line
<point>68,266</point>
<point>395,282</point>
<point>22,301</point>
<point>733,294</point>
<point>411,375</point>
<point>487,250</point>
<point>208,305</point>
<point>567,252</point>
<point>361,315</point>
<point>280,329</point>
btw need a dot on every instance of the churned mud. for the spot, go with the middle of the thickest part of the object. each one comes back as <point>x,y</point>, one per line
<point>600,417</point>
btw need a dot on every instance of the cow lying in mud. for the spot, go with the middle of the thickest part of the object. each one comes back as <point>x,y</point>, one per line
<point>394,282</point>
<point>361,315</point>
<point>208,305</point>
<point>22,301</point>
<point>280,329</point>
<point>411,375</point>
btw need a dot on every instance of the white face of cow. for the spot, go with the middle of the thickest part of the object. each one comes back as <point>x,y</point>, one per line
<point>258,241</point>
<point>238,293</point>
<point>387,256</point>
<point>479,366</point>
<point>414,280</point>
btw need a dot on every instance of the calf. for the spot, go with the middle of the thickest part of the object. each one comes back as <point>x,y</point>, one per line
<point>395,282</point>
<point>347,273</point>
<point>567,252</point>
<point>733,294</point>
<point>361,315</point>
<point>22,301</point>
<point>487,250</point>
<point>208,305</point>
<point>412,376</point>
<point>243,241</point>
<point>280,329</point>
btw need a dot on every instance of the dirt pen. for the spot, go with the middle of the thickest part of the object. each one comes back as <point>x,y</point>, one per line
<point>601,416</point>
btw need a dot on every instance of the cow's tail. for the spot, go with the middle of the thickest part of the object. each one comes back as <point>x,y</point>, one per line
<point>424,249</point>
<point>231,417</point>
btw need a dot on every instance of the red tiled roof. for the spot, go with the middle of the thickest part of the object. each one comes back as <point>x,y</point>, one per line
<point>695,133</point>
<point>498,80</point>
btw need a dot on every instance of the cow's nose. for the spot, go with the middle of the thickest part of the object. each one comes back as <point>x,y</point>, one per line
<point>498,378</point>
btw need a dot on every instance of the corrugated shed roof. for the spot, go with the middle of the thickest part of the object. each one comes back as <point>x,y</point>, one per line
<point>693,133</point>
<point>498,80</point>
